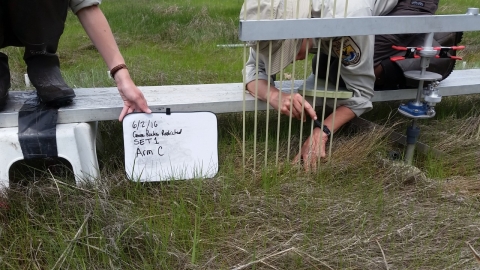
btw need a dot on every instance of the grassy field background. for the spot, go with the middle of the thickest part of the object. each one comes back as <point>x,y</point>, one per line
<point>359,211</point>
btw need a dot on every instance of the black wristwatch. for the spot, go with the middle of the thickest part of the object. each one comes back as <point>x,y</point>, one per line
<point>325,129</point>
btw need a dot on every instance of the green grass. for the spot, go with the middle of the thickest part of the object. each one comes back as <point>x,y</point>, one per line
<point>343,216</point>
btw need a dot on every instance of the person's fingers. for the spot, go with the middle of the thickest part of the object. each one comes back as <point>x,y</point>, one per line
<point>314,159</point>
<point>123,113</point>
<point>310,161</point>
<point>323,153</point>
<point>142,105</point>
<point>306,162</point>
<point>297,109</point>
<point>314,152</point>
<point>295,113</point>
<point>321,147</point>
<point>304,108</point>
<point>297,158</point>
<point>313,164</point>
<point>285,108</point>
<point>310,111</point>
<point>296,106</point>
<point>290,106</point>
<point>288,112</point>
<point>307,159</point>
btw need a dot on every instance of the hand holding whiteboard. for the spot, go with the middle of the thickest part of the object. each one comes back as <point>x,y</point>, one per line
<point>162,147</point>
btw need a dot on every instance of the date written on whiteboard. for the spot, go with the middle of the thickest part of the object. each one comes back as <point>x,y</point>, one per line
<point>144,133</point>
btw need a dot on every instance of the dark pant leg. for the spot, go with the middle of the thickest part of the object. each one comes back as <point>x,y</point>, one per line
<point>384,43</point>
<point>4,70</point>
<point>2,21</point>
<point>4,80</point>
<point>37,24</point>
<point>388,75</point>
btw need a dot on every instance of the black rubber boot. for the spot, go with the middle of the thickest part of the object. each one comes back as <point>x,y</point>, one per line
<point>44,73</point>
<point>4,80</point>
<point>38,25</point>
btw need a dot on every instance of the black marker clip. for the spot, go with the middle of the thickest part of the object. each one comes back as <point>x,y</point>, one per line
<point>168,111</point>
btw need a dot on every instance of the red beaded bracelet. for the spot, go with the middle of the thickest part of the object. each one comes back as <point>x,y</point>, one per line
<point>114,70</point>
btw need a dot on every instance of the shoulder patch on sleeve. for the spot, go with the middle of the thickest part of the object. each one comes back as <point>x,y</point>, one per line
<point>351,53</point>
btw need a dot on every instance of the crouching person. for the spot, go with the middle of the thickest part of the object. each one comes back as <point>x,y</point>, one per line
<point>356,64</point>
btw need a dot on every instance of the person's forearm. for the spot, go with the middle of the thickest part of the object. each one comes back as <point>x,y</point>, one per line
<point>98,30</point>
<point>342,116</point>
<point>259,89</point>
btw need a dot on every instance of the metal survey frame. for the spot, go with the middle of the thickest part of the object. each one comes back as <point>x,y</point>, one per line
<point>254,30</point>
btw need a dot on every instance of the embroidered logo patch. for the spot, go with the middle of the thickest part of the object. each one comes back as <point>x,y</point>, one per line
<point>351,53</point>
<point>417,3</point>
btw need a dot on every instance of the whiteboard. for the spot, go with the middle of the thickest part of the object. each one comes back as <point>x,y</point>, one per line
<point>176,146</point>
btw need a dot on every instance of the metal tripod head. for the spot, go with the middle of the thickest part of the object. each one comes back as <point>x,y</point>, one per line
<point>419,109</point>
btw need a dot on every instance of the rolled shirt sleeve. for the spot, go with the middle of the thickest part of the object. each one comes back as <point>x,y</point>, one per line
<point>356,70</point>
<point>76,5</point>
<point>357,74</point>
<point>251,68</point>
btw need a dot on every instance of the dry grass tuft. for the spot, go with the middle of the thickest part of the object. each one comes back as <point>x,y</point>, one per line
<point>452,134</point>
<point>357,148</point>
<point>166,10</point>
<point>463,185</point>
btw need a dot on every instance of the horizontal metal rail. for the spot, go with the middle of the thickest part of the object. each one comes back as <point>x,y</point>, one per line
<point>253,30</point>
<point>103,104</point>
